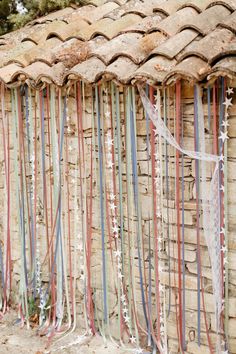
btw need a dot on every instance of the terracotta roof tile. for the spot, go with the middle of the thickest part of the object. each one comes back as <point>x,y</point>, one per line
<point>88,32</point>
<point>122,70</point>
<point>169,7</point>
<point>199,5</point>
<point>68,31</point>
<point>204,49</point>
<point>131,45</point>
<point>139,7</point>
<point>124,40</point>
<point>175,44</point>
<point>225,67</point>
<point>13,53</point>
<point>207,20</point>
<point>113,28</point>
<point>89,71</point>
<point>173,23</point>
<point>7,73</point>
<point>229,22</point>
<point>99,12</point>
<point>42,53</point>
<point>145,25</point>
<point>230,4</point>
<point>154,69</point>
<point>191,68</point>
<point>60,14</point>
<point>42,35</point>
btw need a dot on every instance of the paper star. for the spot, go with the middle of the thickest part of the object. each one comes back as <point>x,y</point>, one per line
<point>107,114</point>
<point>222,230</point>
<point>109,142</point>
<point>224,249</point>
<point>122,298</point>
<point>125,311</point>
<point>223,136</point>
<point>117,253</point>
<point>80,247</point>
<point>132,339</point>
<point>112,206</point>
<point>230,91</point>
<point>120,275</point>
<point>115,229</point>
<point>114,220</point>
<point>70,148</point>
<point>222,157</point>
<point>222,188</point>
<point>126,318</point>
<point>225,123</point>
<point>155,131</point>
<point>112,197</point>
<point>110,164</point>
<point>156,107</point>
<point>227,102</point>
<point>225,261</point>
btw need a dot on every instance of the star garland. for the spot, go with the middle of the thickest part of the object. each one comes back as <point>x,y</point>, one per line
<point>158,185</point>
<point>223,137</point>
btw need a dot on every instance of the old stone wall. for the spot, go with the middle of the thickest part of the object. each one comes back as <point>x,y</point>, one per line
<point>119,226</point>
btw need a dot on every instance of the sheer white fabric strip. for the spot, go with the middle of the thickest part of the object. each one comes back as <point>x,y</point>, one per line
<point>209,194</point>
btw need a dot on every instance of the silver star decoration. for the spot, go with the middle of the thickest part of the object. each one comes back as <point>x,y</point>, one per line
<point>112,197</point>
<point>114,220</point>
<point>125,311</point>
<point>110,164</point>
<point>230,91</point>
<point>122,298</point>
<point>225,123</point>
<point>223,136</point>
<point>115,230</point>
<point>227,102</point>
<point>120,275</point>
<point>112,206</point>
<point>222,188</point>
<point>222,230</point>
<point>222,157</point>
<point>107,114</point>
<point>109,142</point>
<point>126,318</point>
<point>132,339</point>
<point>224,249</point>
<point>117,253</point>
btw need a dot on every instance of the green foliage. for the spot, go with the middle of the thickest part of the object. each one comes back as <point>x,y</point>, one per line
<point>6,8</point>
<point>32,307</point>
<point>10,19</point>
